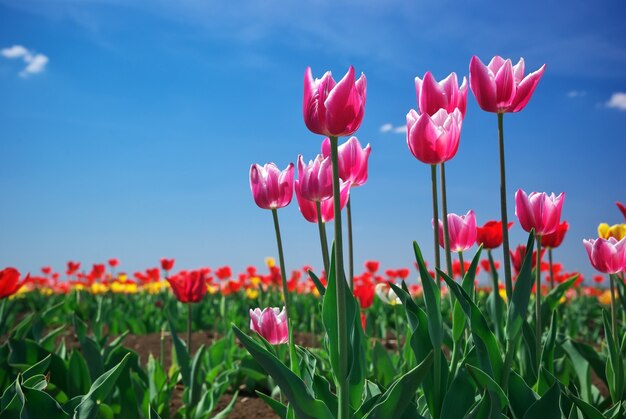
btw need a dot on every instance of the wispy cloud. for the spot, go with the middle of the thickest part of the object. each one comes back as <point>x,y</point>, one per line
<point>617,101</point>
<point>572,94</point>
<point>35,62</point>
<point>388,127</point>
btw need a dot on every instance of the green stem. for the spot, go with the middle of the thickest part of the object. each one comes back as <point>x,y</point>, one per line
<point>342,330</point>
<point>503,213</point>
<point>323,239</point>
<point>551,268</point>
<point>444,219</point>
<point>397,321</point>
<point>350,251</point>
<point>286,296</point>
<point>508,361</point>
<point>497,309</point>
<point>433,178</point>
<point>462,263</point>
<point>538,325</point>
<point>613,312</point>
<point>189,321</point>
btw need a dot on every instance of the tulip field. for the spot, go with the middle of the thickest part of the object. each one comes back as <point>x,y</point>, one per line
<point>465,335</point>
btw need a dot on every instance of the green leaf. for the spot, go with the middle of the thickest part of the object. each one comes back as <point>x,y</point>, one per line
<point>196,383</point>
<point>432,300</point>
<point>518,307</point>
<point>182,356</point>
<point>39,368</point>
<point>356,355</point>
<point>487,383</point>
<point>458,323</point>
<point>384,371</point>
<point>224,413</point>
<point>292,386</point>
<point>547,354</point>
<point>552,300</point>
<point>318,284</point>
<point>486,344</point>
<point>278,408</point>
<point>521,396</point>
<point>586,409</point>
<point>459,397</point>
<point>152,414</point>
<point>38,404</point>
<point>99,391</point>
<point>547,406</point>
<point>614,365</point>
<point>581,368</point>
<point>399,395</point>
<point>78,375</point>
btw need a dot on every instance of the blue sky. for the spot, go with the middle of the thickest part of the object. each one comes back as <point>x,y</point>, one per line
<point>135,137</point>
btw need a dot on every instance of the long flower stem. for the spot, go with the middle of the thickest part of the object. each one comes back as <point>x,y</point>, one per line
<point>538,325</point>
<point>462,263</point>
<point>433,178</point>
<point>613,313</point>
<point>342,331</point>
<point>286,296</point>
<point>496,307</point>
<point>503,213</point>
<point>551,268</point>
<point>350,251</point>
<point>323,239</point>
<point>189,321</point>
<point>444,218</point>
<point>397,322</point>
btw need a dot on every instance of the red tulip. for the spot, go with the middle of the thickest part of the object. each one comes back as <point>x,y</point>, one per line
<point>167,264</point>
<point>9,282</point>
<point>517,257</point>
<point>72,267</point>
<point>372,265</point>
<point>554,240</point>
<point>223,272</point>
<point>501,87</point>
<point>46,270</point>
<point>434,139</point>
<point>487,266</point>
<point>490,234</point>
<point>598,279</point>
<point>446,94</point>
<point>353,160</point>
<point>539,211</point>
<point>364,293</point>
<point>333,109</point>
<point>270,187</point>
<point>113,262</point>
<point>622,208</point>
<point>188,287</point>
<point>402,273</point>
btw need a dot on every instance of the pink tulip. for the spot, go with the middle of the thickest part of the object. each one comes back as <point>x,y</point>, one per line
<point>539,211</point>
<point>435,139</point>
<point>271,323</point>
<point>333,109</point>
<point>270,187</point>
<point>352,160</point>
<point>607,255</point>
<point>316,178</point>
<point>446,94</point>
<point>309,209</point>
<point>501,87</point>
<point>461,231</point>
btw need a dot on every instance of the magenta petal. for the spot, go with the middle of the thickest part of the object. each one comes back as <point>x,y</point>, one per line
<point>505,85</point>
<point>526,89</point>
<point>483,85</point>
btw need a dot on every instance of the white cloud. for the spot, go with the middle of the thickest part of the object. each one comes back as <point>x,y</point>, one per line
<point>15,51</point>
<point>388,127</point>
<point>400,129</point>
<point>617,101</point>
<point>35,63</point>
<point>576,93</point>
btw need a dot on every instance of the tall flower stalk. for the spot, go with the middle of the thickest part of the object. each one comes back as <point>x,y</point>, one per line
<point>501,87</point>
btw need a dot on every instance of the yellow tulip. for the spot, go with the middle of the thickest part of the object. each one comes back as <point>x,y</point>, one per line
<point>252,294</point>
<point>616,230</point>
